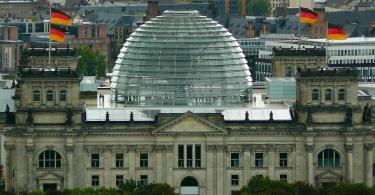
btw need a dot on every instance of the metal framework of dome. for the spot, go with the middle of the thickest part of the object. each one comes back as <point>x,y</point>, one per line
<point>181,58</point>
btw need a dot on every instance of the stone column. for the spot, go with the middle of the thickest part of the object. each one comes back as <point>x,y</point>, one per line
<point>271,161</point>
<point>158,167</point>
<point>310,163</point>
<point>107,159</point>
<point>246,163</point>
<point>30,167</point>
<point>349,158</point>
<point>169,173</point>
<point>70,169</point>
<point>9,149</point>
<point>221,170</point>
<point>369,161</point>
<point>210,187</point>
<point>132,162</point>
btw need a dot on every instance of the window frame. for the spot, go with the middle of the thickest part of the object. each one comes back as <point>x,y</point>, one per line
<point>234,162</point>
<point>63,93</point>
<point>119,162</point>
<point>143,162</point>
<point>95,162</point>
<point>49,95</point>
<point>36,93</point>
<point>283,161</point>
<point>119,179</point>
<point>315,93</point>
<point>235,180</point>
<point>181,153</point>
<point>51,161</point>
<point>259,162</point>
<point>143,180</point>
<point>95,180</point>
<point>328,94</point>
<point>341,94</point>
<point>333,161</point>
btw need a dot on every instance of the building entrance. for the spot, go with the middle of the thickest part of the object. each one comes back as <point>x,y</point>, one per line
<point>189,186</point>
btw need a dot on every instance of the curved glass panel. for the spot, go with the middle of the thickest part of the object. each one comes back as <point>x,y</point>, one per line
<point>181,59</point>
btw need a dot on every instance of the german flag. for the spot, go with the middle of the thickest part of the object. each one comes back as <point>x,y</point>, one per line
<point>60,18</point>
<point>307,16</point>
<point>335,32</point>
<point>57,33</point>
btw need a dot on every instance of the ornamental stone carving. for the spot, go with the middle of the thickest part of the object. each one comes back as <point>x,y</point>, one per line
<point>9,147</point>
<point>259,147</point>
<point>234,148</point>
<point>309,148</point>
<point>29,149</point>
<point>144,148</point>
<point>94,149</point>
<point>284,148</point>
<point>117,149</point>
<point>168,148</point>
<point>69,148</point>
<point>159,148</point>
<point>348,147</point>
<point>211,148</point>
<point>368,146</point>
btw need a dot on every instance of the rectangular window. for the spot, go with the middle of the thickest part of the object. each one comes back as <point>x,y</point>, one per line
<point>119,180</point>
<point>36,95</point>
<point>62,95</point>
<point>235,180</point>
<point>234,159</point>
<point>143,160</point>
<point>284,177</point>
<point>144,180</point>
<point>94,160</point>
<point>258,159</point>
<point>189,155</point>
<point>283,159</point>
<point>119,160</point>
<point>198,155</point>
<point>49,95</point>
<point>95,180</point>
<point>181,156</point>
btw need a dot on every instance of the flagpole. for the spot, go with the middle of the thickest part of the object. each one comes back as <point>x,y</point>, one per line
<point>49,35</point>
<point>299,24</point>
<point>327,41</point>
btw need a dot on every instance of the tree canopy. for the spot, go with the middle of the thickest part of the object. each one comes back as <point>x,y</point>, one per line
<point>261,8</point>
<point>91,62</point>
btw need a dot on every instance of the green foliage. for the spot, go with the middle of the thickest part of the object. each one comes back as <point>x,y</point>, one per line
<point>350,189</point>
<point>130,185</point>
<point>91,62</point>
<point>261,8</point>
<point>305,189</point>
<point>259,185</point>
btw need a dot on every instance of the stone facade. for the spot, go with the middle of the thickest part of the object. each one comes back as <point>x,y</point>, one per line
<point>286,61</point>
<point>220,155</point>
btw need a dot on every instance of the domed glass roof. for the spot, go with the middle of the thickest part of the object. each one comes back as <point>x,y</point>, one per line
<point>181,58</point>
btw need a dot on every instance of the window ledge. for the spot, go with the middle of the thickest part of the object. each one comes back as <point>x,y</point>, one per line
<point>49,169</point>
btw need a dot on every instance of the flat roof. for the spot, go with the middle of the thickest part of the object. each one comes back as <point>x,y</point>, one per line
<point>348,40</point>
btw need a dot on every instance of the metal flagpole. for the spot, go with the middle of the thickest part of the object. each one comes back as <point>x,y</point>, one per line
<point>327,41</point>
<point>299,24</point>
<point>49,35</point>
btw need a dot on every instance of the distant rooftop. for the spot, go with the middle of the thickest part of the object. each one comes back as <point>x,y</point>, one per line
<point>298,51</point>
<point>54,52</point>
<point>328,73</point>
<point>42,73</point>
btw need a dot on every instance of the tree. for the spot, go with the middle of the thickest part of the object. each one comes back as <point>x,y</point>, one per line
<point>261,8</point>
<point>302,188</point>
<point>350,189</point>
<point>259,185</point>
<point>91,62</point>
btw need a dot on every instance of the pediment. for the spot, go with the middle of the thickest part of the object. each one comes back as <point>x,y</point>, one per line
<point>189,123</point>
<point>49,176</point>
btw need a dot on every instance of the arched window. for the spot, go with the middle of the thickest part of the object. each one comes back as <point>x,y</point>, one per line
<point>329,158</point>
<point>49,95</point>
<point>328,94</point>
<point>341,95</point>
<point>49,159</point>
<point>315,94</point>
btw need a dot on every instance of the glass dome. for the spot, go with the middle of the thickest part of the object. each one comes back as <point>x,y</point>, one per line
<point>181,59</point>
